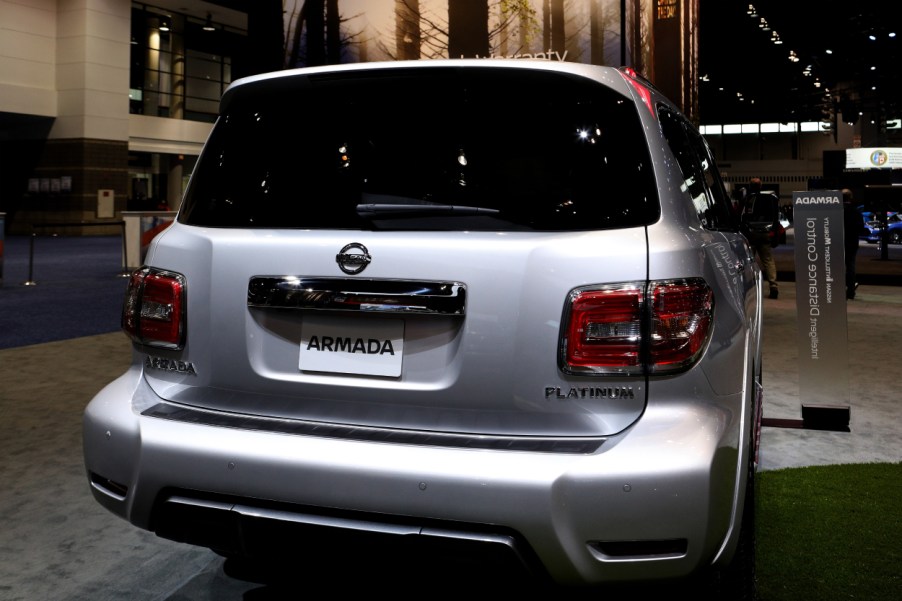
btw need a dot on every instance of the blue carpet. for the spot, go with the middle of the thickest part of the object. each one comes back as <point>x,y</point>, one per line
<point>78,288</point>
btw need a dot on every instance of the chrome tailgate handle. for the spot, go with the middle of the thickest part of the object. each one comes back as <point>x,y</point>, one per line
<point>346,294</point>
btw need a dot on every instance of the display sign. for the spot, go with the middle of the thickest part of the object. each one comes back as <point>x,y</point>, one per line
<point>821,297</point>
<point>601,32</point>
<point>873,158</point>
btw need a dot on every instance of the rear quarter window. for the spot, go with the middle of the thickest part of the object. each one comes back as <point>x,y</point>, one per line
<point>541,151</point>
<point>701,177</point>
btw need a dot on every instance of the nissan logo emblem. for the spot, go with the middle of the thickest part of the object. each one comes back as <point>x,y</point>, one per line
<point>353,258</point>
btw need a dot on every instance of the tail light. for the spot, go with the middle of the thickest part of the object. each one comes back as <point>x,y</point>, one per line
<point>635,328</point>
<point>154,309</point>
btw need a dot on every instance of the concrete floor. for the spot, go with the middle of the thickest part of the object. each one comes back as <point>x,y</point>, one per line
<point>874,394</point>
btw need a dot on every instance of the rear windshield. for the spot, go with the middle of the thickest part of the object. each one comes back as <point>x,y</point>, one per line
<point>434,148</point>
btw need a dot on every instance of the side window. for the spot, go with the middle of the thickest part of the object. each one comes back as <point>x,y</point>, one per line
<point>700,176</point>
<point>720,205</point>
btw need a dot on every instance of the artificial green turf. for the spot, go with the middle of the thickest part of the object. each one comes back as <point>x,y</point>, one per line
<point>830,532</point>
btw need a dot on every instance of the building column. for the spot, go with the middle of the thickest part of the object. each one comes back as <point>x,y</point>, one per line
<point>87,148</point>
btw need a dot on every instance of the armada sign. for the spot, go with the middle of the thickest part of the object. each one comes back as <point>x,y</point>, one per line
<point>830,199</point>
<point>366,346</point>
<point>821,297</point>
<point>345,344</point>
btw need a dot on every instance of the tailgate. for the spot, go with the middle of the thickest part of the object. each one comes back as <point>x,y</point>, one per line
<point>440,331</point>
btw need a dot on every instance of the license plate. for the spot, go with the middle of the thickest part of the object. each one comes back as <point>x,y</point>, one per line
<point>370,347</point>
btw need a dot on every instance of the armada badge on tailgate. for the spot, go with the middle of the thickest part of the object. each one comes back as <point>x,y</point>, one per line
<point>182,367</point>
<point>353,258</point>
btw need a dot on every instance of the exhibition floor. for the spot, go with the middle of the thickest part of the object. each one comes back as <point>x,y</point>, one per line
<point>58,543</point>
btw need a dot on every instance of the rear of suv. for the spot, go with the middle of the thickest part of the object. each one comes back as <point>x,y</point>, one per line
<point>498,304</point>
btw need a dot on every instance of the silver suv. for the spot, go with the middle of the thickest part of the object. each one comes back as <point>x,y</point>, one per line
<point>499,304</point>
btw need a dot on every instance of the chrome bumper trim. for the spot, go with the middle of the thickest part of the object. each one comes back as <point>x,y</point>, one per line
<point>534,444</point>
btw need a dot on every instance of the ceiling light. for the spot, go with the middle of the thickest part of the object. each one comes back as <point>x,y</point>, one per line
<point>208,26</point>
<point>164,25</point>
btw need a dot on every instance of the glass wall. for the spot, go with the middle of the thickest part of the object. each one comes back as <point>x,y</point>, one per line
<point>180,65</point>
<point>157,181</point>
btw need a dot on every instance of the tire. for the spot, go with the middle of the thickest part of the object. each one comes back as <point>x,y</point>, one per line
<point>895,237</point>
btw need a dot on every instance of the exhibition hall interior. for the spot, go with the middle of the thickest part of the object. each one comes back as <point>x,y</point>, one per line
<point>154,298</point>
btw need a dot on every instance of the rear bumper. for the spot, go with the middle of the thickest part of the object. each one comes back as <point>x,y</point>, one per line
<point>657,501</point>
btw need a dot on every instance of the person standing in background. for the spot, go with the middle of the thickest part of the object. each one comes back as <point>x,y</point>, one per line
<point>760,223</point>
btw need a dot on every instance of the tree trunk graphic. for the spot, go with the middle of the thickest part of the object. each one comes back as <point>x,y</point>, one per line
<point>316,33</point>
<point>525,27</point>
<point>293,53</point>
<point>503,32</point>
<point>514,25</point>
<point>576,28</point>
<point>264,40</point>
<point>318,36</point>
<point>546,25</point>
<point>596,33</point>
<point>558,40</point>
<point>333,33</point>
<point>638,42</point>
<point>407,29</point>
<point>468,28</point>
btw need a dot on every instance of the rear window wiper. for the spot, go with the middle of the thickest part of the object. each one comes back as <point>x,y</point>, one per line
<point>414,210</point>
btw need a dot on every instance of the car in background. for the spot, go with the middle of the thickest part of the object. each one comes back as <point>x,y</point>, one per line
<point>497,310</point>
<point>893,229</point>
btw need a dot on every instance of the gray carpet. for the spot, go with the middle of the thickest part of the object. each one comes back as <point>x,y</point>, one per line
<point>75,288</point>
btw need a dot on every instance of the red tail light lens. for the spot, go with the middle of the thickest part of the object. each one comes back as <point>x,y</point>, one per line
<point>681,314</point>
<point>629,329</point>
<point>154,309</point>
<point>603,332</point>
